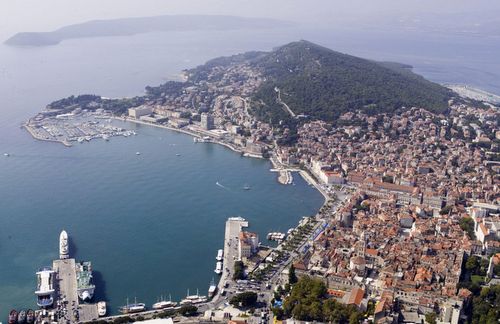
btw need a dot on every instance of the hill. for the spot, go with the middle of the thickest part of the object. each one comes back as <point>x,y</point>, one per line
<point>321,83</point>
<point>131,26</point>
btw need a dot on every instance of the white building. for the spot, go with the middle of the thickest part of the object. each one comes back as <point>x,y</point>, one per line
<point>140,111</point>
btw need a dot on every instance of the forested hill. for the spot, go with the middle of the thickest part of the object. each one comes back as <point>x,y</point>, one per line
<point>322,83</point>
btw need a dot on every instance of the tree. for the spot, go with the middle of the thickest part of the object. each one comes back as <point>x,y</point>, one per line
<point>188,310</point>
<point>292,277</point>
<point>244,299</point>
<point>431,318</point>
<point>239,270</point>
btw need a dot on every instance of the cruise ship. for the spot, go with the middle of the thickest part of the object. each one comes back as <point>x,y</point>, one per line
<point>85,288</point>
<point>45,287</point>
<point>193,299</point>
<point>220,255</point>
<point>63,245</point>
<point>133,308</point>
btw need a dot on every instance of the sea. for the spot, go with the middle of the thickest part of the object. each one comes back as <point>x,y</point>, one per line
<point>152,223</point>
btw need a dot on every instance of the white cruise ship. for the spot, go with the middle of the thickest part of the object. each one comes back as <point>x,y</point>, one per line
<point>63,245</point>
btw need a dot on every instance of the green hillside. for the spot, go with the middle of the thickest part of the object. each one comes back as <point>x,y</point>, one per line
<point>323,84</point>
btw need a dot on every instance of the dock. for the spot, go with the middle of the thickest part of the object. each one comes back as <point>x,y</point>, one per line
<point>66,301</point>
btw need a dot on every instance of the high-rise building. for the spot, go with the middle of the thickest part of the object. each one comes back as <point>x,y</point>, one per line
<point>207,121</point>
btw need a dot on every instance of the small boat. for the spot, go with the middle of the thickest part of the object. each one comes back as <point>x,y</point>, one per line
<point>30,316</point>
<point>218,268</point>
<point>212,289</point>
<point>13,317</point>
<point>6,154</point>
<point>21,317</point>
<point>246,187</point>
<point>101,308</point>
<point>177,154</point>
<point>220,255</point>
<point>137,153</point>
<point>133,308</point>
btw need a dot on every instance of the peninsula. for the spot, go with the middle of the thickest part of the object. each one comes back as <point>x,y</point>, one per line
<point>132,26</point>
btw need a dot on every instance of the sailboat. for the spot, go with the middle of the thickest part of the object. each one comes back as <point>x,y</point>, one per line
<point>164,303</point>
<point>133,308</point>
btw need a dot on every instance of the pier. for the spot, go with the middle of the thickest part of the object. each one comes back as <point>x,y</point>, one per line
<point>66,301</point>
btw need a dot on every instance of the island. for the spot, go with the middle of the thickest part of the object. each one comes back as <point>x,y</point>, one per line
<point>132,26</point>
<point>409,170</point>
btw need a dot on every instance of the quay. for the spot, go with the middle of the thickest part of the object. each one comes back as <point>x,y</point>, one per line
<point>67,294</point>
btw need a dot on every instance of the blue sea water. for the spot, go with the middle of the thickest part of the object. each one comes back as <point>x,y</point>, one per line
<point>151,224</point>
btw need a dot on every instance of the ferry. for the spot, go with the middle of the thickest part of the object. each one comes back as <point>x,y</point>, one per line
<point>45,287</point>
<point>85,288</point>
<point>218,268</point>
<point>21,317</point>
<point>13,317</point>
<point>193,299</point>
<point>101,308</point>
<point>63,245</point>
<point>164,304</point>
<point>220,255</point>
<point>133,308</point>
<point>30,316</point>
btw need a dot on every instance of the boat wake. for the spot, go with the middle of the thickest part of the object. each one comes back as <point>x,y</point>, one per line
<point>220,185</point>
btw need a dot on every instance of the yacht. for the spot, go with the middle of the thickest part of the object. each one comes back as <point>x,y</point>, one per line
<point>164,304</point>
<point>193,299</point>
<point>63,245</point>
<point>133,308</point>
<point>218,268</point>
<point>45,287</point>
<point>101,308</point>
<point>212,289</point>
<point>220,255</point>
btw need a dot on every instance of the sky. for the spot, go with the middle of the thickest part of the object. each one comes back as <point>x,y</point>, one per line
<point>46,15</point>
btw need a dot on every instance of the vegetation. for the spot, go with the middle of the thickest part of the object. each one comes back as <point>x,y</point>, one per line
<point>239,270</point>
<point>188,310</point>
<point>292,277</point>
<point>308,302</point>
<point>431,318</point>
<point>318,82</point>
<point>467,224</point>
<point>244,299</point>
<point>486,306</point>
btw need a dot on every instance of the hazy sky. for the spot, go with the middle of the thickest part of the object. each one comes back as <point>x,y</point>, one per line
<point>45,15</point>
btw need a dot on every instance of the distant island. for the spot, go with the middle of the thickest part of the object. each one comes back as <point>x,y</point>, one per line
<point>132,26</point>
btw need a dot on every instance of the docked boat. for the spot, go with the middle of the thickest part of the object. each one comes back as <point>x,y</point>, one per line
<point>45,287</point>
<point>194,299</point>
<point>164,304</point>
<point>63,245</point>
<point>30,316</point>
<point>218,268</point>
<point>21,317</point>
<point>133,308</point>
<point>85,287</point>
<point>101,308</point>
<point>220,255</point>
<point>212,289</point>
<point>13,317</point>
